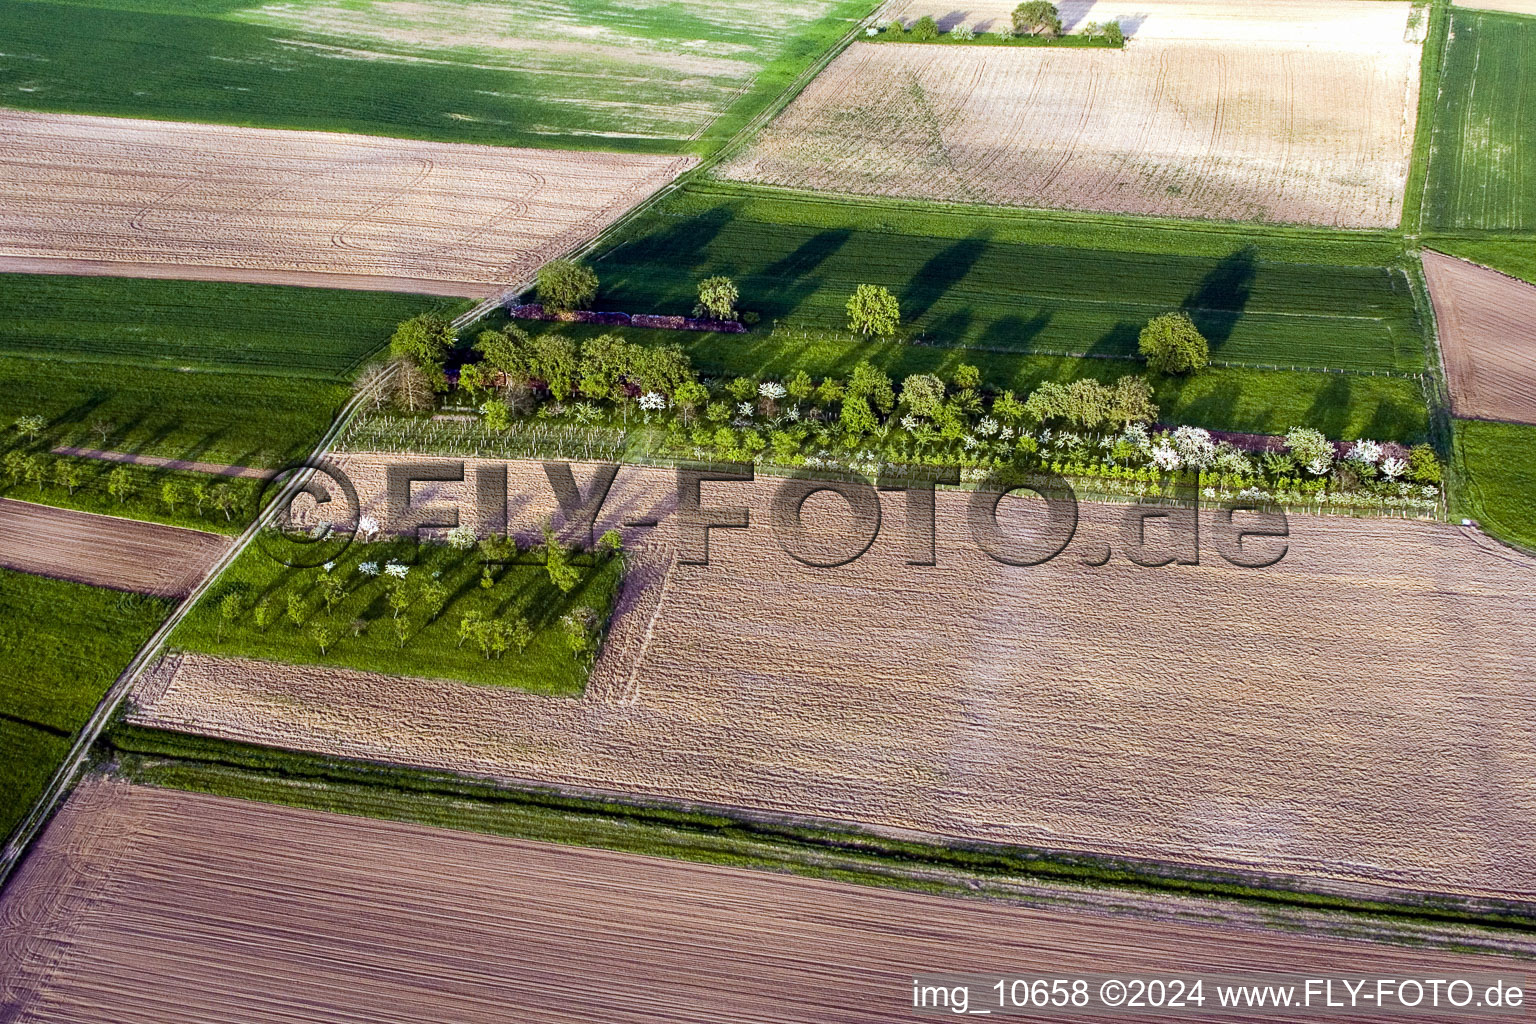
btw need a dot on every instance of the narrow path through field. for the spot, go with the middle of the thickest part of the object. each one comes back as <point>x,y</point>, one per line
<point>105,551</point>
<point>160,462</point>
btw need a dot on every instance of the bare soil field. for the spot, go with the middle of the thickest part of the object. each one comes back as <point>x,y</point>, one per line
<point>141,905</point>
<point>245,204</point>
<point>1511,6</point>
<point>1278,111</point>
<point>104,551</point>
<point>1357,712</point>
<point>1487,327</point>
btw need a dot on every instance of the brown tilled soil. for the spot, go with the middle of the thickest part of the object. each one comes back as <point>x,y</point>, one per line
<point>1223,112</point>
<point>142,905</point>
<point>1488,336</point>
<point>1361,711</point>
<point>289,207</point>
<point>105,551</point>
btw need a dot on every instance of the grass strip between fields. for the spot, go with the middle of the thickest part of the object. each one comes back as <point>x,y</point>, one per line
<point>226,768</point>
<point>61,646</point>
<point>1495,464</point>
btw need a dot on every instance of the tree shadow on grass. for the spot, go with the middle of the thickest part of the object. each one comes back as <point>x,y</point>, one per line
<point>1014,333</point>
<point>935,278</point>
<point>1218,303</point>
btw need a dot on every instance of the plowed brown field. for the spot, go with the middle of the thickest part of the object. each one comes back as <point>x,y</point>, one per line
<point>147,906</point>
<point>1289,112</point>
<point>1358,711</point>
<point>1488,336</point>
<point>300,207</point>
<point>104,551</point>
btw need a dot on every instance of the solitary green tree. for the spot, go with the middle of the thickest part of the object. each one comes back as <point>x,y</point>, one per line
<point>120,484</point>
<point>230,610</point>
<point>717,298</point>
<point>171,493</point>
<point>926,30</point>
<point>557,562</point>
<point>31,426</point>
<point>564,285</point>
<point>873,310</point>
<point>1172,344</point>
<point>1036,17</point>
<point>68,474</point>
<point>424,339</point>
<point>324,635</point>
<point>1114,34</point>
<point>265,614</point>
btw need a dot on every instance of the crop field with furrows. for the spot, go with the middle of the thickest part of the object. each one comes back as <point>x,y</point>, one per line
<point>300,207</point>
<point>650,77</point>
<point>1482,169</point>
<point>184,325</point>
<point>1197,124</point>
<point>233,418</point>
<point>1040,297</point>
<point>105,551</point>
<point>1200,714</point>
<point>61,646</point>
<point>1487,324</point>
<point>129,874</point>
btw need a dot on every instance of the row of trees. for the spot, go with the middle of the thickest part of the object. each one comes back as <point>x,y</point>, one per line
<point>122,484</point>
<point>565,286</point>
<point>1035,18</point>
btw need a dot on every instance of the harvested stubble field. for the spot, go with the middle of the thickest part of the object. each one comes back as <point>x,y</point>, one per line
<point>1488,334</point>
<point>1286,112</point>
<point>165,907</point>
<point>389,214</point>
<point>1351,713</point>
<point>105,551</point>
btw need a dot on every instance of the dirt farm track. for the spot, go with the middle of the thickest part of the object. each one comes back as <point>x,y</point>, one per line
<point>282,207</point>
<point>142,906</point>
<point>1298,111</point>
<point>1356,712</point>
<point>105,551</point>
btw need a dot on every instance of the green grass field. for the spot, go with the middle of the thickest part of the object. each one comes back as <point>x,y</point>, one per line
<point>432,648</point>
<point>145,501</point>
<point>1482,170</point>
<point>566,73</point>
<point>196,325</point>
<point>243,374</point>
<point>799,262</point>
<point>1496,465</point>
<point>61,646</point>
<point>234,418</point>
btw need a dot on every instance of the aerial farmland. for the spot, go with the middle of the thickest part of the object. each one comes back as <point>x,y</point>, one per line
<point>809,510</point>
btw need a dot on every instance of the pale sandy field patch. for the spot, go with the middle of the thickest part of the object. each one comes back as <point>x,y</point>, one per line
<point>287,207</point>
<point>1487,327</point>
<point>143,905</point>
<point>1510,6</point>
<point>1361,711</point>
<point>1216,111</point>
<point>105,551</point>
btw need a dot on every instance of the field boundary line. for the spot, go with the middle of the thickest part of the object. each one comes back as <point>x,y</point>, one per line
<point>63,780</point>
